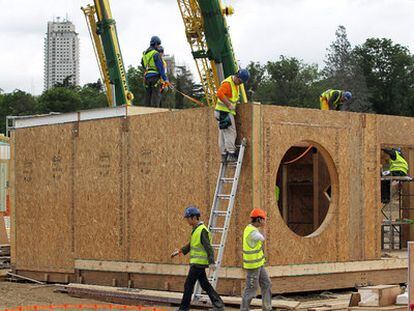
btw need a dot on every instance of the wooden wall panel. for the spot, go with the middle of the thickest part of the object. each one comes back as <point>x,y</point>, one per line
<point>99,211</point>
<point>43,191</point>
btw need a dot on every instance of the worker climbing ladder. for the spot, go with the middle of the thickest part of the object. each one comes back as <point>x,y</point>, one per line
<point>220,218</point>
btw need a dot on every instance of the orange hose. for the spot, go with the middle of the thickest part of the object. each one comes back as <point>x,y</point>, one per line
<point>299,157</point>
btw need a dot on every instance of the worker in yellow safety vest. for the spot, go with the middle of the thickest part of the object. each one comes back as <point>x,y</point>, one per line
<point>154,73</point>
<point>201,257</point>
<point>398,165</point>
<point>227,97</point>
<point>254,261</point>
<point>334,99</point>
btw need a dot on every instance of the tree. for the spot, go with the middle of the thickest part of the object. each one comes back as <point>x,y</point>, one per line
<point>342,72</point>
<point>136,84</point>
<point>59,99</point>
<point>15,104</point>
<point>389,70</point>
<point>92,96</point>
<point>257,76</point>
<point>288,82</point>
<point>184,82</point>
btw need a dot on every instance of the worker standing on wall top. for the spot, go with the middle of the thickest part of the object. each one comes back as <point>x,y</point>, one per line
<point>398,165</point>
<point>154,74</point>
<point>201,257</point>
<point>334,99</point>
<point>228,95</point>
<point>254,261</point>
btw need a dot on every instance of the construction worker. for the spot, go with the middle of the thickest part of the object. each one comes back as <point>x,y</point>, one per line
<point>201,257</point>
<point>254,261</point>
<point>154,75</point>
<point>398,165</point>
<point>334,99</point>
<point>228,95</point>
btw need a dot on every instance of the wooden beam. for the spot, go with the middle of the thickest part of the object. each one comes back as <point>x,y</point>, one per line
<point>285,209</point>
<point>315,181</point>
<point>410,272</point>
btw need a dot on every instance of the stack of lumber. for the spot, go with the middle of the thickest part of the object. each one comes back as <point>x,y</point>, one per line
<point>380,298</point>
<point>4,256</point>
<point>129,295</point>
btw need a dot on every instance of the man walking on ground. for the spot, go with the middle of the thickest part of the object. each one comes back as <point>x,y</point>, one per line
<point>254,261</point>
<point>228,95</point>
<point>334,99</point>
<point>154,72</point>
<point>201,257</point>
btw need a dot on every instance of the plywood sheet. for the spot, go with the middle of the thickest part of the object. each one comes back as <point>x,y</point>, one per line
<point>43,190</point>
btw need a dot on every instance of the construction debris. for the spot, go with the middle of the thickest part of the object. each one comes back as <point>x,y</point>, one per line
<point>379,296</point>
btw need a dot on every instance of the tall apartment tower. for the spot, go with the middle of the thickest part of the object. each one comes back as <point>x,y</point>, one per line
<point>61,53</point>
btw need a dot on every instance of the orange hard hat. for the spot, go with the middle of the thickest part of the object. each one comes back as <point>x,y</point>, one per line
<point>257,212</point>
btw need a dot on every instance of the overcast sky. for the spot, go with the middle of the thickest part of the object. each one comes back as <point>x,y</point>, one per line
<point>261,30</point>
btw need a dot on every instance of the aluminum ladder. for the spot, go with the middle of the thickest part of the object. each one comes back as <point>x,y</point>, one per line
<point>218,212</point>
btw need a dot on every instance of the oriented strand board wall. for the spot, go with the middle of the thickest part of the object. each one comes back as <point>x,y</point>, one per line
<point>351,229</point>
<point>115,189</point>
<point>43,194</point>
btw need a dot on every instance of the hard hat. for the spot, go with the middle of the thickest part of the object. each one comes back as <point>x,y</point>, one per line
<point>155,40</point>
<point>160,49</point>
<point>257,212</point>
<point>398,149</point>
<point>191,211</point>
<point>243,75</point>
<point>347,96</point>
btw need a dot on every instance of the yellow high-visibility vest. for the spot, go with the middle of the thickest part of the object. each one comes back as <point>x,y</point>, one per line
<point>399,164</point>
<point>235,92</point>
<point>253,257</point>
<point>149,62</point>
<point>198,254</point>
<point>326,96</point>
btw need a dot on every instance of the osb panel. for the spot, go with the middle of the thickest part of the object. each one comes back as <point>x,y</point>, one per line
<point>99,212</point>
<point>282,128</point>
<point>43,198</point>
<point>166,175</point>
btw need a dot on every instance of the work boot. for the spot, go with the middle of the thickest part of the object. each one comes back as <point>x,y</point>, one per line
<point>232,157</point>
<point>224,158</point>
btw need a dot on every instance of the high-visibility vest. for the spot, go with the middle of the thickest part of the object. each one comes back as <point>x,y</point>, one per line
<point>235,94</point>
<point>198,254</point>
<point>326,96</point>
<point>399,164</point>
<point>253,257</point>
<point>149,62</point>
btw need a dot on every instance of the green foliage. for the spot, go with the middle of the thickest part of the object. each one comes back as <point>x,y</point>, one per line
<point>388,69</point>
<point>59,99</point>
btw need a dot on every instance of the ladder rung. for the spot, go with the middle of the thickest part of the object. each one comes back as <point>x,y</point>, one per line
<point>227,180</point>
<point>217,229</point>
<point>220,213</point>
<point>216,246</point>
<point>224,196</point>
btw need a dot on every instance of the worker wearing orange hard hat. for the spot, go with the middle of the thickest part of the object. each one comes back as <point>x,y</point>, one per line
<point>254,261</point>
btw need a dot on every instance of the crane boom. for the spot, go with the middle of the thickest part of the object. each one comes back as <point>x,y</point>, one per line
<point>207,33</point>
<point>106,45</point>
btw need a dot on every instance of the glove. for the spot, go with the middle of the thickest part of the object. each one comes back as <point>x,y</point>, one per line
<point>175,253</point>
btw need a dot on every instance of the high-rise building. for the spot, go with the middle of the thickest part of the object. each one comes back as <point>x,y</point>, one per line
<point>61,53</point>
<point>170,60</point>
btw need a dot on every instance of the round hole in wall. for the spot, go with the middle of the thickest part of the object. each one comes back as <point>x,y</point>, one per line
<point>304,187</point>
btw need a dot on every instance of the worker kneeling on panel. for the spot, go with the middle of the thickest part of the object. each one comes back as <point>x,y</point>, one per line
<point>254,261</point>
<point>201,257</point>
<point>334,99</point>
<point>228,95</point>
<point>154,74</point>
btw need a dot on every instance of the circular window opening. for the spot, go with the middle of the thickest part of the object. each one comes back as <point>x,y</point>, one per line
<point>303,188</point>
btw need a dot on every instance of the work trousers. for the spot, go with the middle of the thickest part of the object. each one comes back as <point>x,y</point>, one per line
<point>153,92</point>
<point>199,274</point>
<point>255,278</point>
<point>227,137</point>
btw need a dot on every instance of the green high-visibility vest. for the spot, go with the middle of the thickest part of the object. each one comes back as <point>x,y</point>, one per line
<point>235,92</point>
<point>399,164</point>
<point>198,254</point>
<point>328,95</point>
<point>253,257</point>
<point>149,62</point>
